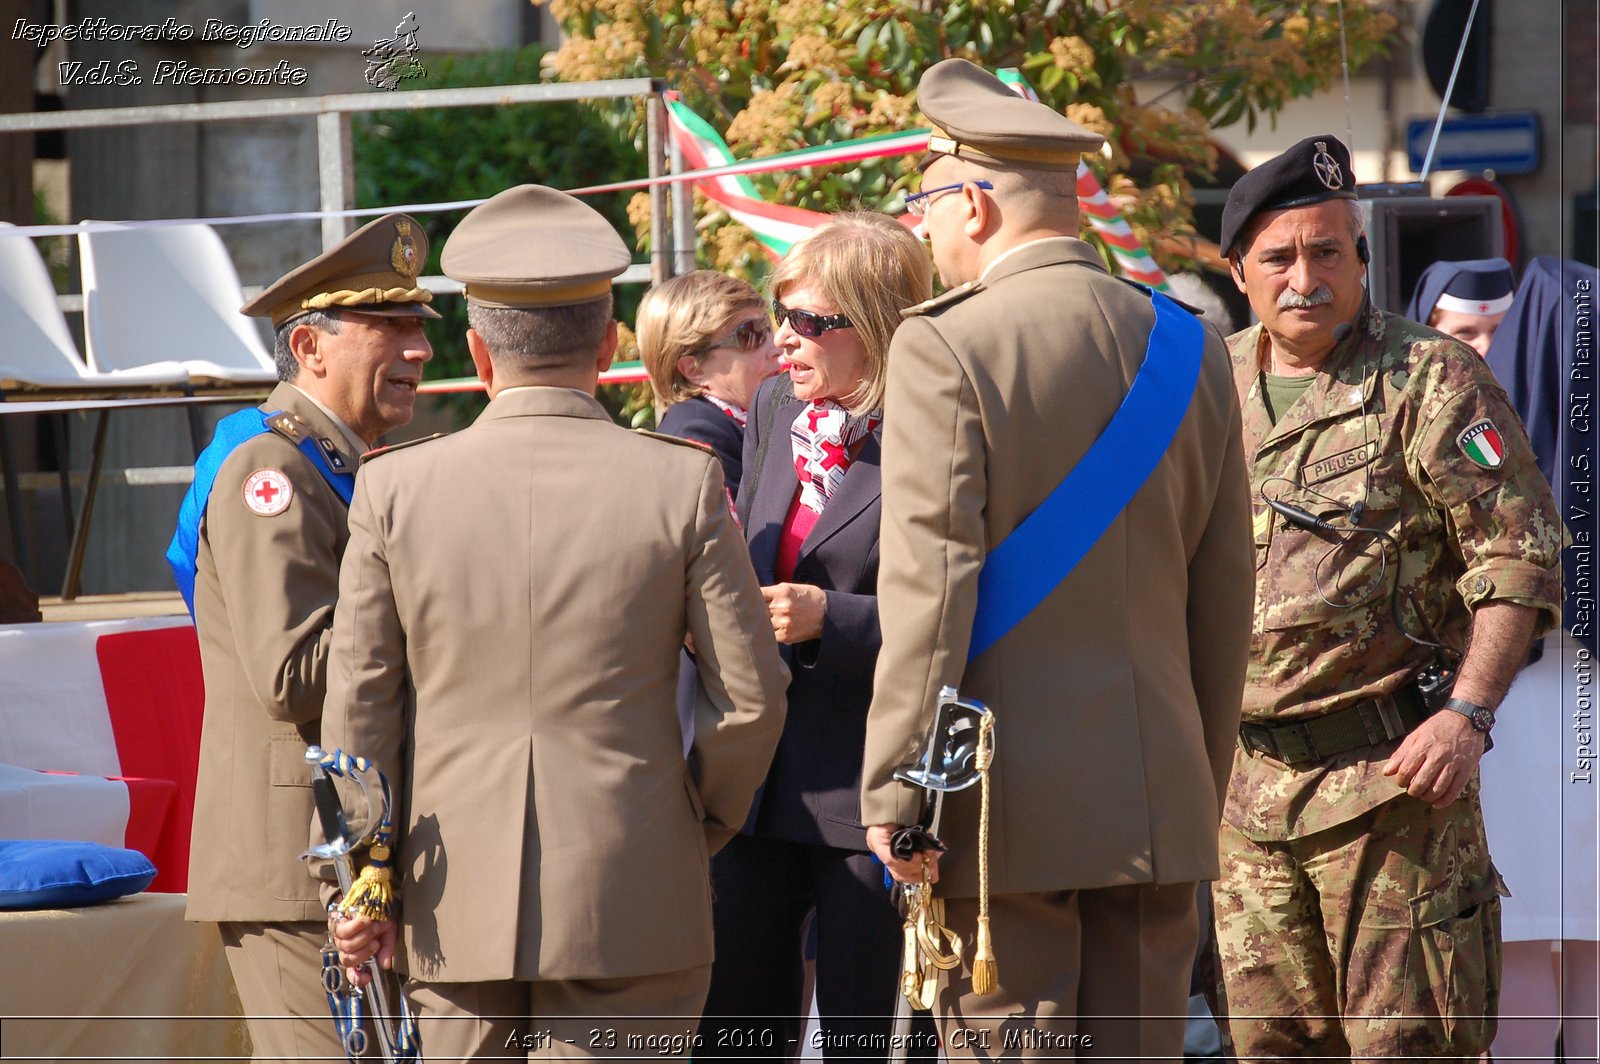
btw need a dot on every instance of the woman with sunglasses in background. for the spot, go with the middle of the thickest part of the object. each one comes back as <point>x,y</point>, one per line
<point>706,342</point>
<point>810,504</point>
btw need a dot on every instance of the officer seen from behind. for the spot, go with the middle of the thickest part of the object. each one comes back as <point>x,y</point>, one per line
<point>257,556</point>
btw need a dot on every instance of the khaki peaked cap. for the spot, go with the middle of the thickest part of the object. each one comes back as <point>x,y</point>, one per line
<point>372,271</point>
<point>532,246</point>
<point>974,116</point>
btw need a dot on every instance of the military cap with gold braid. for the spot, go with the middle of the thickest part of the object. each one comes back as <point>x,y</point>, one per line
<point>373,271</point>
<point>974,116</point>
<point>532,246</point>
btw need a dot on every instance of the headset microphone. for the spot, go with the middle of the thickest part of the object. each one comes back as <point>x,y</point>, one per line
<point>1342,331</point>
<point>1301,518</point>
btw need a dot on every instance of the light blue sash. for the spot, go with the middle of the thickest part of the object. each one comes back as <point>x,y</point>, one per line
<point>232,431</point>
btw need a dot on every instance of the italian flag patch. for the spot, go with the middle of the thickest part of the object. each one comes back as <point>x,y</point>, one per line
<point>1480,441</point>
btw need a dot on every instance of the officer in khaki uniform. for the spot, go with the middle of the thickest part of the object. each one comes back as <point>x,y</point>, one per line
<point>1398,510</point>
<point>1116,699</point>
<point>512,607</point>
<point>263,558</point>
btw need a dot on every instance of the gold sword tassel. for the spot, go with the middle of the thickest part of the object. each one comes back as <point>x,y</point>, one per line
<point>985,973</point>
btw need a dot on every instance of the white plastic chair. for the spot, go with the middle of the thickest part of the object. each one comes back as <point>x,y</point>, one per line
<point>168,294</point>
<point>38,351</point>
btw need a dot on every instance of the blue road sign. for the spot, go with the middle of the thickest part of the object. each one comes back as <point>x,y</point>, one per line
<point>1506,143</point>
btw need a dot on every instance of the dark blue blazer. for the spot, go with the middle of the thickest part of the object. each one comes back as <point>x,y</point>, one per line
<point>701,420</point>
<point>812,792</point>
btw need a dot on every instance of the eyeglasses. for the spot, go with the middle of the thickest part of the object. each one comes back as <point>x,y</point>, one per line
<point>918,201</point>
<point>747,336</point>
<point>807,323</point>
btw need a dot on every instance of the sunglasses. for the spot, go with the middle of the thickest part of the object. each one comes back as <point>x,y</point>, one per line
<point>747,336</point>
<point>917,202</point>
<point>808,324</point>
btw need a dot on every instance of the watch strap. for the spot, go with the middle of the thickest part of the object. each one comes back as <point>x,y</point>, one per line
<point>1482,717</point>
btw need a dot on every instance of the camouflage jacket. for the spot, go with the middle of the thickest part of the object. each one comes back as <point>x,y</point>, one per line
<point>1413,425</point>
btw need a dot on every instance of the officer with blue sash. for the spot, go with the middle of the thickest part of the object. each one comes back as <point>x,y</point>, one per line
<point>256,554</point>
<point>1066,535</point>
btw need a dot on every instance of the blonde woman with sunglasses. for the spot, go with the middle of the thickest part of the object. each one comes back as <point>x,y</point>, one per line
<point>707,344</point>
<point>810,505</point>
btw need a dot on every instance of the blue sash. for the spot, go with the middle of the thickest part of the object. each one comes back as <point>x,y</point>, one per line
<point>184,551</point>
<point>1030,563</point>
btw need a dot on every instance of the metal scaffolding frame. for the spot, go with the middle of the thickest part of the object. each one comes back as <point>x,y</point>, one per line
<point>672,232</point>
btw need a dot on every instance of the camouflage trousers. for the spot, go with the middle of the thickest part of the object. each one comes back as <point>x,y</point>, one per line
<point>1376,938</point>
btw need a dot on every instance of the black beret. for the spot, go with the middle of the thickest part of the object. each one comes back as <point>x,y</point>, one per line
<point>1316,169</point>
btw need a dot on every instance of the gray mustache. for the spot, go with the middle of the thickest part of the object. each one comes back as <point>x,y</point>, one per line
<point>1292,300</point>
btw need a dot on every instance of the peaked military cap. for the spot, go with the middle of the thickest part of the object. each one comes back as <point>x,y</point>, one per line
<point>1316,169</point>
<point>532,246</point>
<point>373,271</point>
<point>974,116</point>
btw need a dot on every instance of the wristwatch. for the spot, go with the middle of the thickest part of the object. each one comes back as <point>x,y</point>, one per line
<point>1482,717</point>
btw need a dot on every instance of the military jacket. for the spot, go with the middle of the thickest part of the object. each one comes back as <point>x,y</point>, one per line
<point>512,606</point>
<point>266,581</point>
<point>1407,432</point>
<point>1117,698</point>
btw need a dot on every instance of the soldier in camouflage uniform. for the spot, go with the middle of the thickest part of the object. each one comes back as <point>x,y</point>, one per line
<point>1396,505</point>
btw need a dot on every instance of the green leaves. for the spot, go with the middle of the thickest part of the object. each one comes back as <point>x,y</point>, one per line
<point>428,156</point>
<point>775,75</point>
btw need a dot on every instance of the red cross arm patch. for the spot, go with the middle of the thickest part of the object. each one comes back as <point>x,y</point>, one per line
<point>267,492</point>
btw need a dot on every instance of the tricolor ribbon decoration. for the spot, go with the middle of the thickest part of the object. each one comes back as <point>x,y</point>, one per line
<point>777,227</point>
<point>1133,260</point>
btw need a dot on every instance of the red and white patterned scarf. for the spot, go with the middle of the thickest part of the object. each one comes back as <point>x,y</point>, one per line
<point>823,435</point>
<point>738,413</point>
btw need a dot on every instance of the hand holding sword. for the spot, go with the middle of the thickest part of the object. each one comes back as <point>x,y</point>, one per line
<point>362,925</point>
<point>363,942</point>
<point>959,750</point>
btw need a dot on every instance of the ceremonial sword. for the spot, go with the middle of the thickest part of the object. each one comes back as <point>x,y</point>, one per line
<point>342,841</point>
<point>949,762</point>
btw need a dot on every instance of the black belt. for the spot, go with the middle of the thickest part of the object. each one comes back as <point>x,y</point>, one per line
<point>1366,723</point>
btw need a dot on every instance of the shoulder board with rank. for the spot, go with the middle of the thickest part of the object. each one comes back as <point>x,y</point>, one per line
<point>939,302</point>
<point>291,427</point>
<point>679,440</point>
<point>379,452</point>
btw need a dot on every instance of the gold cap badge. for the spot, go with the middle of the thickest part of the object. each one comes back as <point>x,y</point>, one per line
<point>403,256</point>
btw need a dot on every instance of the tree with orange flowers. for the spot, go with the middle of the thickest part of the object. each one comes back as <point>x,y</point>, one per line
<point>1155,76</point>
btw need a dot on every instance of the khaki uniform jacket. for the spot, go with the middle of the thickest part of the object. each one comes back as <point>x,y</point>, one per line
<point>1117,699</point>
<point>512,607</point>
<point>263,601</point>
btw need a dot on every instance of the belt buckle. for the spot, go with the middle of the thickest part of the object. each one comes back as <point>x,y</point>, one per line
<point>1257,738</point>
<point>1380,719</point>
<point>1295,745</point>
<point>1389,712</point>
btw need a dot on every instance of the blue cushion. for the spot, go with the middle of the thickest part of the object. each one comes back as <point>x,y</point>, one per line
<point>54,874</point>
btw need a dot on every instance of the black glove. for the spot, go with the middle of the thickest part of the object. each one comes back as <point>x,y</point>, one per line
<point>911,840</point>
